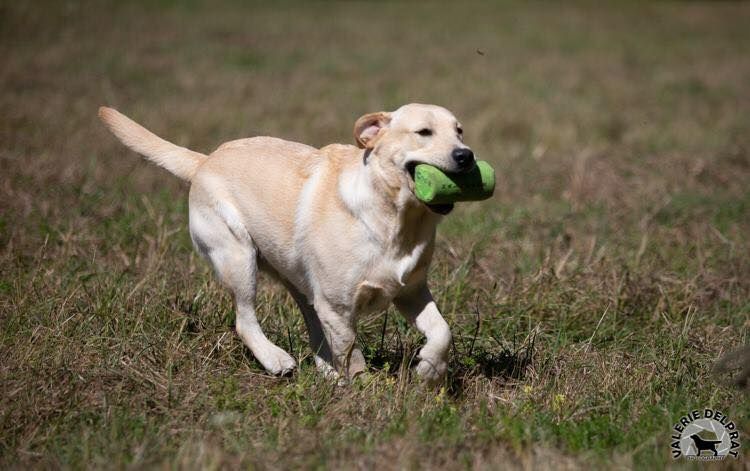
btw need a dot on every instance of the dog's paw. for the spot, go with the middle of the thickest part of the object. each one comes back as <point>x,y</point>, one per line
<point>329,372</point>
<point>431,371</point>
<point>357,366</point>
<point>325,368</point>
<point>276,361</point>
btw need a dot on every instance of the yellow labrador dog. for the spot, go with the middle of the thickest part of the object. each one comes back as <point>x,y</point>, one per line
<point>339,226</point>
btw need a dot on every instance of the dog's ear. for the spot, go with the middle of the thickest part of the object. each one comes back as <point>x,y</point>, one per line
<point>368,126</point>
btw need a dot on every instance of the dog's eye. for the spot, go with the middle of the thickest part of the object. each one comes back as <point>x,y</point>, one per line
<point>460,131</point>
<point>425,132</point>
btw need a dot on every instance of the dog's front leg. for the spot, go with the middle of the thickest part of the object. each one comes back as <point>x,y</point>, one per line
<point>339,329</point>
<point>419,308</point>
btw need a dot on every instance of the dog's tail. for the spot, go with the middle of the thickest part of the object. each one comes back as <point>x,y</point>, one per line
<point>178,160</point>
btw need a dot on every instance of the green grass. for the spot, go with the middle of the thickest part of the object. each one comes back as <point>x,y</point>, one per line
<point>588,299</point>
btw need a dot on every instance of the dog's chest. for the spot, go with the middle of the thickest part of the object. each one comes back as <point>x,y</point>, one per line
<point>388,276</point>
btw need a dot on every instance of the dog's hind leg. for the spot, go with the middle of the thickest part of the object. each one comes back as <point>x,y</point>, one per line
<point>218,236</point>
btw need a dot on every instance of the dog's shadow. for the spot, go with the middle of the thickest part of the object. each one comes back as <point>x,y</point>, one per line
<point>466,363</point>
<point>502,363</point>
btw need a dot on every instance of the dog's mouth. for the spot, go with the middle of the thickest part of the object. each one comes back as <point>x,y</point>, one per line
<point>411,167</point>
<point>441,209</point>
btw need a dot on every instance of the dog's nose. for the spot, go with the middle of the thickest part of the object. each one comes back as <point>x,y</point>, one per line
<point>464,157</point>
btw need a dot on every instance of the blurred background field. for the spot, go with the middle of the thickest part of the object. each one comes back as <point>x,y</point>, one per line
<point>589,298</point>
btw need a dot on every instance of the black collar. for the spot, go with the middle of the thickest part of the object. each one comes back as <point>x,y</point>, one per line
<point>367,153</point>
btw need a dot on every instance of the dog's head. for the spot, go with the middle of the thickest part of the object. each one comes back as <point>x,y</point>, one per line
<point>413,134</point>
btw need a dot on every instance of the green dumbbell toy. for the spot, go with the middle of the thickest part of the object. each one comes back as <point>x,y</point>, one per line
<point>432,186</point>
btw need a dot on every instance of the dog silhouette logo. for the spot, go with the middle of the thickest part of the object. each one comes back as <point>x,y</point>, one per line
<point>707,435</point>
<point>704,445</point>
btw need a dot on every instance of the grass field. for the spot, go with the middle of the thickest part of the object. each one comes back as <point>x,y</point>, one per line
<point>588,299</point>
